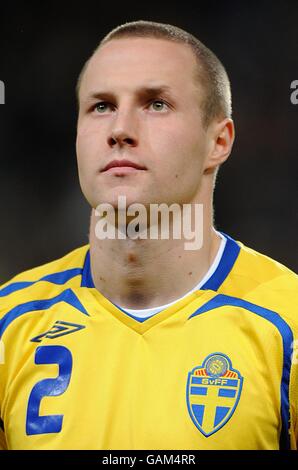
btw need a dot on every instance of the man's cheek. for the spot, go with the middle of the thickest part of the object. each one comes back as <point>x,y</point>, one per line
<point>87,150</point>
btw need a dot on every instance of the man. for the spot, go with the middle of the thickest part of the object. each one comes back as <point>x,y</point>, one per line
<point>140,343</point>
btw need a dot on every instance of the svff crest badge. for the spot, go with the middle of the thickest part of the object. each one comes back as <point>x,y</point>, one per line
<point>213,392</point>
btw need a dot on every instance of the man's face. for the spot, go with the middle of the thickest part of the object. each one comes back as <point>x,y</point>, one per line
<point>139,101</point>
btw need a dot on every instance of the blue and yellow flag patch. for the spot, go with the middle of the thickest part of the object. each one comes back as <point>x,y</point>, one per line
<point>213,392</point>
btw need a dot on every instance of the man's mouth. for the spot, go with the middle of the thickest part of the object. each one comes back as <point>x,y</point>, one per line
<point>123,165</point>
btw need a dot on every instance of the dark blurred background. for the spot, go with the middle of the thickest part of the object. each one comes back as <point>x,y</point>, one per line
<point>43,213</point>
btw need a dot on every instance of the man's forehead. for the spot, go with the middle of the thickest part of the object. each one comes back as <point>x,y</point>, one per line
<point>147,47</point>
<point>146,62</point>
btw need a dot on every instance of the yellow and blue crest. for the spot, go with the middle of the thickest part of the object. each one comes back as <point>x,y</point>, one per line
<point>213,392</point>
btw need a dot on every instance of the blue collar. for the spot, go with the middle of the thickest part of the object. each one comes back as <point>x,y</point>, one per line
<point>225,266</point>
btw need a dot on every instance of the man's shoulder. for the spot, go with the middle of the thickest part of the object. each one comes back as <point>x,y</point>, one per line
<point>262,280</point>
<point>73,259</point>
<point>263,270</point>
<point>44,281</point>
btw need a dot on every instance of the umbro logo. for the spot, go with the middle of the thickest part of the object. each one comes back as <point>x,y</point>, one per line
<point>60,328</point>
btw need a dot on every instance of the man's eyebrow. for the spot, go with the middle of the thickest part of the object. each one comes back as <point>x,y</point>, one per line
<point>154,90</point>
<point>143,92</point>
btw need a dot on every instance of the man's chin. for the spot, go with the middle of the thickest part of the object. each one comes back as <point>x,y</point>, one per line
<point>123,202</point>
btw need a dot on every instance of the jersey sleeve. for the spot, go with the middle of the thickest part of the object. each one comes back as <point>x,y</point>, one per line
<point>3,444</point>
<point>293,396</point>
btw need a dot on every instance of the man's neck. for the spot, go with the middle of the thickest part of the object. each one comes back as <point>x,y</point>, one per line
<point>146,273</point>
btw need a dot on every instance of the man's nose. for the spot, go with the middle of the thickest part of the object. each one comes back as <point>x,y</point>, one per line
<point>124,131</point>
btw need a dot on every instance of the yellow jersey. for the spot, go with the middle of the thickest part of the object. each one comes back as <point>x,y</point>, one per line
<point>215,370</point>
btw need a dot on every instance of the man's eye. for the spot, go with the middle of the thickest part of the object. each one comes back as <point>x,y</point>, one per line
<point>102,107</point>
<point>158,105</point>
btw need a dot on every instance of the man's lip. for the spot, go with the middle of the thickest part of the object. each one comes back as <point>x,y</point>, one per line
<point>123,163</point>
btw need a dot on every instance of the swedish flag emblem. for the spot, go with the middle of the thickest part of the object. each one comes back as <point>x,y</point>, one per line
<point>213,392</point>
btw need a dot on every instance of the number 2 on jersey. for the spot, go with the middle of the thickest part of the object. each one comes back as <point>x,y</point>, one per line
<point>36,424</point>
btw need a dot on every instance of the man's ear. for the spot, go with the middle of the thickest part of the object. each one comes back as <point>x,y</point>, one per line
<point>221,138</point>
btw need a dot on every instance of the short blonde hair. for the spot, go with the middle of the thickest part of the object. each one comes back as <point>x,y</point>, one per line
<point>212,76</point>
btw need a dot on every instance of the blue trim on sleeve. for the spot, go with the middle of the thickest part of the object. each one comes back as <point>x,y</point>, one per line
<point>225,266</point>
<point>287,339</point>
<point>66,296</point>
<point>87,280</point>
<point>55,278</point>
